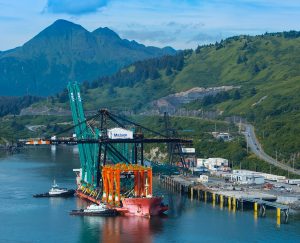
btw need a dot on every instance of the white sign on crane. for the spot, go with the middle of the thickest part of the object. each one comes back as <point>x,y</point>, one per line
<point>119,133</point>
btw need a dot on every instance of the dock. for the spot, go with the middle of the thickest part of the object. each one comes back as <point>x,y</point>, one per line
<point>233,200</point>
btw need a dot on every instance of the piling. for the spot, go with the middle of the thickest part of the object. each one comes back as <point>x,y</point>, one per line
<point>234,202</point>
<point>255,210</point>
<point>213,197</point>
<point>278,214</point>
<point>229,203</point>
<point>221,201</point>
<point>255,207</point>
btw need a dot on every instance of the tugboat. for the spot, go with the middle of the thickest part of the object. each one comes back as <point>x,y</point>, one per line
<point>56,191</point>
<point>95,210</point>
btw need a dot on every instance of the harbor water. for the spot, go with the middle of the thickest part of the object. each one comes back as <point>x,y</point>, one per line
<point>27,219</point>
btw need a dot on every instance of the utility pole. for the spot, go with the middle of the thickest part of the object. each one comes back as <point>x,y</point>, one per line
<point>294,157</point>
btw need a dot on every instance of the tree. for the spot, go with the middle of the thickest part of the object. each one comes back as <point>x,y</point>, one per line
<point>64,96</point>
<point>180,63</point>
<point>94,84</point>
<point>256,69</point>
<point>169,71</point>
<point>52,100</point>
<point>86,84</point>
<point>111,91</point>
<point>207,100</point>
<point>253,91</point>
<point>236,95</point>
<point>154,74</point>
<point>244,46</point>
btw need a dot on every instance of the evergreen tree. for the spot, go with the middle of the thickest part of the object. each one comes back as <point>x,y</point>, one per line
<point>236,95</point>
<point>111,91</point>
<point>169,71</point>
<point>253,91</point>
<point>180,63</point>
<point>256,69</point>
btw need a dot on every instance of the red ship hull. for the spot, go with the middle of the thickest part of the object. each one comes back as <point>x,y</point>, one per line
<point>82,195</point>
<point>143,206</point>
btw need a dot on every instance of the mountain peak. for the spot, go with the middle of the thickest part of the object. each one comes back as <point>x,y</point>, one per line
<point>62,23</point>
<point>106,32</point>
<point>61,27</point>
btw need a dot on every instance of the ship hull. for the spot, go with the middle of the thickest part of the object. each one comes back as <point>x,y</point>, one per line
<point>105,213</point>
<point>84,196</point>
<point>69,193</point>
<point>145,207</point>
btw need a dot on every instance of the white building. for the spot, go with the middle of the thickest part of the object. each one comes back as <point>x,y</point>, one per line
<point>245,178</point>
<point>266,176</point>
<point>203,178</point>
<point>212,163</point>
<point>225,136</point>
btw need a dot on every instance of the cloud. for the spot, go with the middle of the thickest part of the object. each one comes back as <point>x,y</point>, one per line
<point>148,35</point>
<point>74,7</point>
<point>9,18</point>
<point>202,38</point>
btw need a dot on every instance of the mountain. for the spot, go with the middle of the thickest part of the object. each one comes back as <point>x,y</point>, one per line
<point>66,51</point>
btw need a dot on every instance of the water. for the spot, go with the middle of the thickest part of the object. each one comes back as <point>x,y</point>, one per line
<point>27,219</point>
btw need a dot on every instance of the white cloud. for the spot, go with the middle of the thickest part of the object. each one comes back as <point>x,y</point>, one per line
<point>74,7</point>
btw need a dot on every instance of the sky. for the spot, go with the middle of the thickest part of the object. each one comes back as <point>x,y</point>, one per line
<point>177,23</point>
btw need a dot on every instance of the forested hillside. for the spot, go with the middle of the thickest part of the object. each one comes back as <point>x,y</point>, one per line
<point>265,67</point>
<point>13,105</point>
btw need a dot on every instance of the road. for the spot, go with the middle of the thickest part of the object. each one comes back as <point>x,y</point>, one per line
<point>256,148</point>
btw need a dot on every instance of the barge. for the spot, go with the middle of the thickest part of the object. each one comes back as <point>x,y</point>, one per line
<point>135,201</point>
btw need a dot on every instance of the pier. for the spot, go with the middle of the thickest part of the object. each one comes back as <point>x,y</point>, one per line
<point>233,200</point>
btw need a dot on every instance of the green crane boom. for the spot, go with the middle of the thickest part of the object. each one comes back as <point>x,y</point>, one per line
<point>88,153</point>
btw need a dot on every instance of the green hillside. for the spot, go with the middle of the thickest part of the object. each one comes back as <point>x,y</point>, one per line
<point>267,63</point>
<point>265,67</point>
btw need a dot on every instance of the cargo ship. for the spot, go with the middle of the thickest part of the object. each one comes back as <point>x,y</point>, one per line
<point>136,200</point>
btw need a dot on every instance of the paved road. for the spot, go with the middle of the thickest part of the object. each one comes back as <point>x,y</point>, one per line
<point>256,148</point>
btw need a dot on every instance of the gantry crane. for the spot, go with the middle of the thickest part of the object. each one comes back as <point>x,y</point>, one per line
<point>97,148</point>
